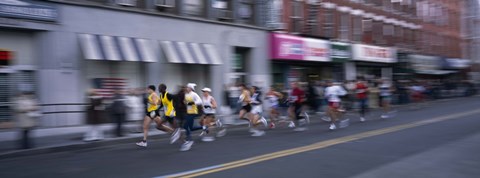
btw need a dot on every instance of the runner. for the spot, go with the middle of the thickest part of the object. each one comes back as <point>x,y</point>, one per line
<point>333,93</point>
<point>296,99</point>
<point>272,98</point>
<point>166,101</point>
<point>208,119</point>
<point>362,90</point>
<point>245,111</point>
<point>257,111</point>
<point>194,104</point>
<point>151,114</point>
<point>386,90</point>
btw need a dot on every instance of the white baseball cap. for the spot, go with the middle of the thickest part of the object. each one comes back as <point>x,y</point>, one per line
<point>207,90</point>
<point>192,86</point>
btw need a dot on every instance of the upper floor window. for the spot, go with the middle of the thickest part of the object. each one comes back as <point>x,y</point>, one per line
<point>194,8</point>
<point>296,15</point>
<point>328,25</point>
<point>223,10</point>
<point>345,26</point>
<point>246,11</point>
<point>168,6</point>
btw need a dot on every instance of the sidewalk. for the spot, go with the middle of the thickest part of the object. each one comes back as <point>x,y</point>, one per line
<point>51,140</point>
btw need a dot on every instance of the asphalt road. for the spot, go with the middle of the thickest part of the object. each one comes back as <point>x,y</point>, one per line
<point>441,139</point>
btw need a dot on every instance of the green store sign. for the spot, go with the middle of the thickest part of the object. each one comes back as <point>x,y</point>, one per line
<point>341,52</point>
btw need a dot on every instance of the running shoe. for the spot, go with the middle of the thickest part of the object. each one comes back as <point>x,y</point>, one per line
<point>222,132</point>
<point>384,116</point>
<point>291,124</point>
<point>175,136</point>
<point>362,119</point>
<point>203,133</point>
<point>142,144</point>
<point>307,117</point>
<point>332,127</point>
<point>208,139</point>
<point>272,125</point>
<point>186,146</point>
<point>258,133</point>
<point>264,122</point>
<point>218,123</point>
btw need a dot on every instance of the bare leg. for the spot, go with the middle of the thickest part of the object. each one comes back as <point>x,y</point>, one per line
<point>146,124</point>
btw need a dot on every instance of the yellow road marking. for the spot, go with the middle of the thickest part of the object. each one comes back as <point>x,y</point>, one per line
<point>324,144</point>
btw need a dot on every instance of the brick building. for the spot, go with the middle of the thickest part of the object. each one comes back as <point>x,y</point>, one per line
<point>418,33</point>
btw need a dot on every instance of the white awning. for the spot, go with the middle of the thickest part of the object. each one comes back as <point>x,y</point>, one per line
<point>190,53</point>
<point>113,48</point>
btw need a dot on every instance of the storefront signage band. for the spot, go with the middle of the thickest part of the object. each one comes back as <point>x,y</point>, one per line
<point>27,10</point>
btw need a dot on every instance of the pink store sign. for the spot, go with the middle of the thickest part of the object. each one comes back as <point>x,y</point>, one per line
<point>289,47</point>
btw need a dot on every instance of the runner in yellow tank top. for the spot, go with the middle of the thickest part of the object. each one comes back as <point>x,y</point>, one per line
<point>166,102</point>
<point>151,114</point>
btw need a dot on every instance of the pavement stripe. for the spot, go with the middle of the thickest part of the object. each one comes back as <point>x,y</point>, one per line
<point>318,145</point>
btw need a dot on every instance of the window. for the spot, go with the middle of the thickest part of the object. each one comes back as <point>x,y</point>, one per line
<point>245,12</point>
<point>297,15</point>
<point>387,5</point>
<point>222,10</point>
<point>357,29</point>
<point>345,27</point>
<point>193,8</point>
<point>328,26</point>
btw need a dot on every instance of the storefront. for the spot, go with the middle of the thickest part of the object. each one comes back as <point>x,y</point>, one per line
<point>301,59</point>
<point>372,62</point>
<point>341,54</point>
<point>428,67</point>
<point>22,23</point>
<point>111,48</point>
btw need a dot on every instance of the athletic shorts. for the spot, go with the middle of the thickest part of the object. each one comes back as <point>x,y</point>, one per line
<point>210,115</point>
<point>334,105</point>
<point>169,119</point>
<point>152,114</point>
<point>386,99</point>
<point>247,107</point>
<point>257,109</point>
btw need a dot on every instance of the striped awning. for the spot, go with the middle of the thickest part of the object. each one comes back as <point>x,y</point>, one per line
<point>114,48</point>
<point>190,53</point>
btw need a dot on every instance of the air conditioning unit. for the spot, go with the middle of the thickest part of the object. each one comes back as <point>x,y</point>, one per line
<point>224,14</point>
<point>126,2</point>
<point>165,3</point>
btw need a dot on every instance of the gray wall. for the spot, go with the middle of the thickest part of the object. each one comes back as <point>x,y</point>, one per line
<point>62,66</point>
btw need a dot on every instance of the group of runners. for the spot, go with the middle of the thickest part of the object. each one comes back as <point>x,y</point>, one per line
<point>181,110</point>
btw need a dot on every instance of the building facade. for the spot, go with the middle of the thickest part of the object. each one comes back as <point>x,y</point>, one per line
<point>108,44</point>
<point>387,38</point>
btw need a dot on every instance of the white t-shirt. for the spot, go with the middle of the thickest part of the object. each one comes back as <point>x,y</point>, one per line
<point>207,105</point>
<point>333,92</point>
<point>385,89</point>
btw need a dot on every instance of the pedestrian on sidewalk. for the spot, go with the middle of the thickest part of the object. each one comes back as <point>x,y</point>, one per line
<point>119,111</point>
<point>135,109</point>
<point>95,113</point>
<point>27,113</point>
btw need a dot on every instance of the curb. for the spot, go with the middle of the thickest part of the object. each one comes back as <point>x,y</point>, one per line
<point>70,147</point>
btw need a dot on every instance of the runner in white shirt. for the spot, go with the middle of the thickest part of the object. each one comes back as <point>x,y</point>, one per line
<point>333,93</point>
<point>386,90</point>
<point>209,110</point>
